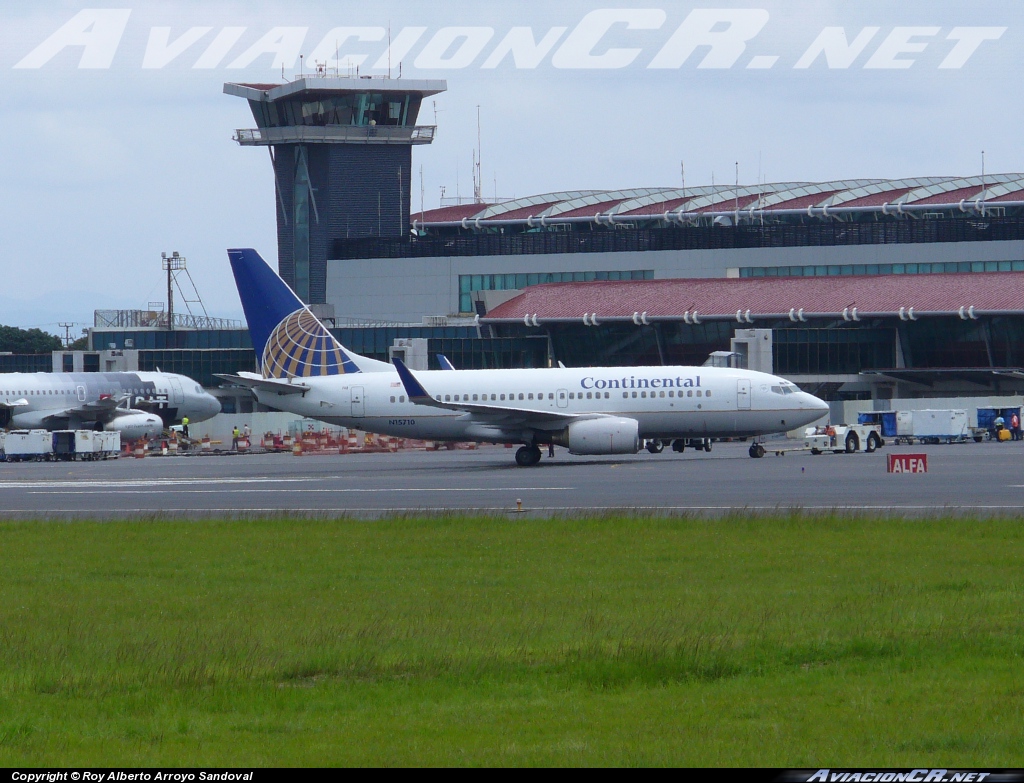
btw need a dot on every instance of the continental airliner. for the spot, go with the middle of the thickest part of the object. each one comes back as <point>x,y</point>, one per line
<point>589,410</point>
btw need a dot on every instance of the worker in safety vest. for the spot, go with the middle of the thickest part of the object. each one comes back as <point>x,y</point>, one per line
<point>235,435</point>
<point>184,426</point>
<point>1015,427</point>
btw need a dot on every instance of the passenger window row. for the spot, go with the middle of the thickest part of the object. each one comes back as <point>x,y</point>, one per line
<point>670,393</point>
<point>578,395</point>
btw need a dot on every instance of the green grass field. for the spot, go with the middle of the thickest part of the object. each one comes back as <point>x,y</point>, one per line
<point>779,641</point>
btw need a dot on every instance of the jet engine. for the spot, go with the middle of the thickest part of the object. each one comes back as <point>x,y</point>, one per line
<point>605,435</point>
<point>134,426</point>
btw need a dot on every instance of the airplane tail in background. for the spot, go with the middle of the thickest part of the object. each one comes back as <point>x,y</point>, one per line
<point>290,342</point>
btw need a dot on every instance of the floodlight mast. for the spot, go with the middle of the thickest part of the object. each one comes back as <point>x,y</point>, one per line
<point>171,264</point>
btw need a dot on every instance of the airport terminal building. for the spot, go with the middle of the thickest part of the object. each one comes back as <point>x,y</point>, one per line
<point>855,289</point>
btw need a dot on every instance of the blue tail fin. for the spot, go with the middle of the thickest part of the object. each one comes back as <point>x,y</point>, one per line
<point>288,339</point>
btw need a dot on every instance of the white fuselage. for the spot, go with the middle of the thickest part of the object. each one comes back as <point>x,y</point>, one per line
<point>68,400</point>
<point>667,402</point>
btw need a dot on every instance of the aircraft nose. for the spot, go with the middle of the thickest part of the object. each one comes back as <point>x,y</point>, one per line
<point>815,404</point>
<point>212,405</point>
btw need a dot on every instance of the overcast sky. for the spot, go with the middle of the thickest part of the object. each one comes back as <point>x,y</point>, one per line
<point>116,135</point>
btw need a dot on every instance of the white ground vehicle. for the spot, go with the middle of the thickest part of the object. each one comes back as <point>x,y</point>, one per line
<point>44,445</point>
<point>933,426</point>
<point>23,445</point>
<point>838,438</point>
<point>844,438</point>
<point>71,445</point>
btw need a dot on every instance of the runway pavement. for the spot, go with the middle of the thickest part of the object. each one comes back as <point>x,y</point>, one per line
<point>986,477</point>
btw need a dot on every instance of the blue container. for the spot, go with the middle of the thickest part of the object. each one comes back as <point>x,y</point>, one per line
<point>885,418</point>
<point>987,417</point>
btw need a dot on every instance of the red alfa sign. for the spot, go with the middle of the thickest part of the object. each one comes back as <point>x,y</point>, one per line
<point>908,463</point>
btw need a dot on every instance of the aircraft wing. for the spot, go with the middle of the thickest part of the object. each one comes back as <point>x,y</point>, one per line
<point>489,413</point>
<point>104,409</point>
<point>258,382</point>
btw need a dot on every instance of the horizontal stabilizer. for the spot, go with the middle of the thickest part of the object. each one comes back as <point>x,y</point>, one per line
<point>254,381</point>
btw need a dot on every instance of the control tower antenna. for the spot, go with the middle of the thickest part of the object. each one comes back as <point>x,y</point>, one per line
<point>760,187</point>
<point>478,186</point>
<point>983,183</point>
<point>736,193</point>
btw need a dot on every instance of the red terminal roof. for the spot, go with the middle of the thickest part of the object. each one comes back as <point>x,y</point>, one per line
<point>772,296</point>
<point>951,196</point>
<point>589,210</point>
<point>1017,195</point>
<point>802,202</point>
<point>783,198</point>
<point>657,208</point>
<point>877,199</point>
<point>457,212</point>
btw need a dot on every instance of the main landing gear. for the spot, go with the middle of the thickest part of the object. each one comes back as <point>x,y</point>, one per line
<point>699,444</point>
<point>527,456</point>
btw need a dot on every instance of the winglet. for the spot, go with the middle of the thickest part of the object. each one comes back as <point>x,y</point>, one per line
<point>413,387</point>
<point>443,361</point>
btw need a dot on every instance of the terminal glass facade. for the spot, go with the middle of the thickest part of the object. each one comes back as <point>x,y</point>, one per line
<point>882,269</point>
<point>832,351</point>
<point>587,238</point>
<point>824,347</point>
<point>510,282</point>
<point>158,339</point>
<point>26,362</point>
<point>201,366</point>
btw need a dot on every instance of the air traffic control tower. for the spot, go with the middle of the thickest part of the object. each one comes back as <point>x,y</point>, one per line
<point>341,148</point>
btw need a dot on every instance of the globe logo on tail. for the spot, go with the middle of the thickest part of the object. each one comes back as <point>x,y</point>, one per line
<point>300,347</point>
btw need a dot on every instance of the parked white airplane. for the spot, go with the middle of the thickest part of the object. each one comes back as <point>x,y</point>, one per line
<point>136,404</point>
<point>591,410</point>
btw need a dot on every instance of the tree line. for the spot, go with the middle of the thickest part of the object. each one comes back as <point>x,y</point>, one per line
<point>15,340</point>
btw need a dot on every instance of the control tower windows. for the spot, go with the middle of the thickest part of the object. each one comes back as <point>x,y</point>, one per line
<point>348,109</point>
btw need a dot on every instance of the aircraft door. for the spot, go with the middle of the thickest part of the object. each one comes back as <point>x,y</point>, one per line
<point>357,402</point>
<point>743,395</point>
<point>81,393</point>
<point>177,397</point>
<point>563,398</point>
